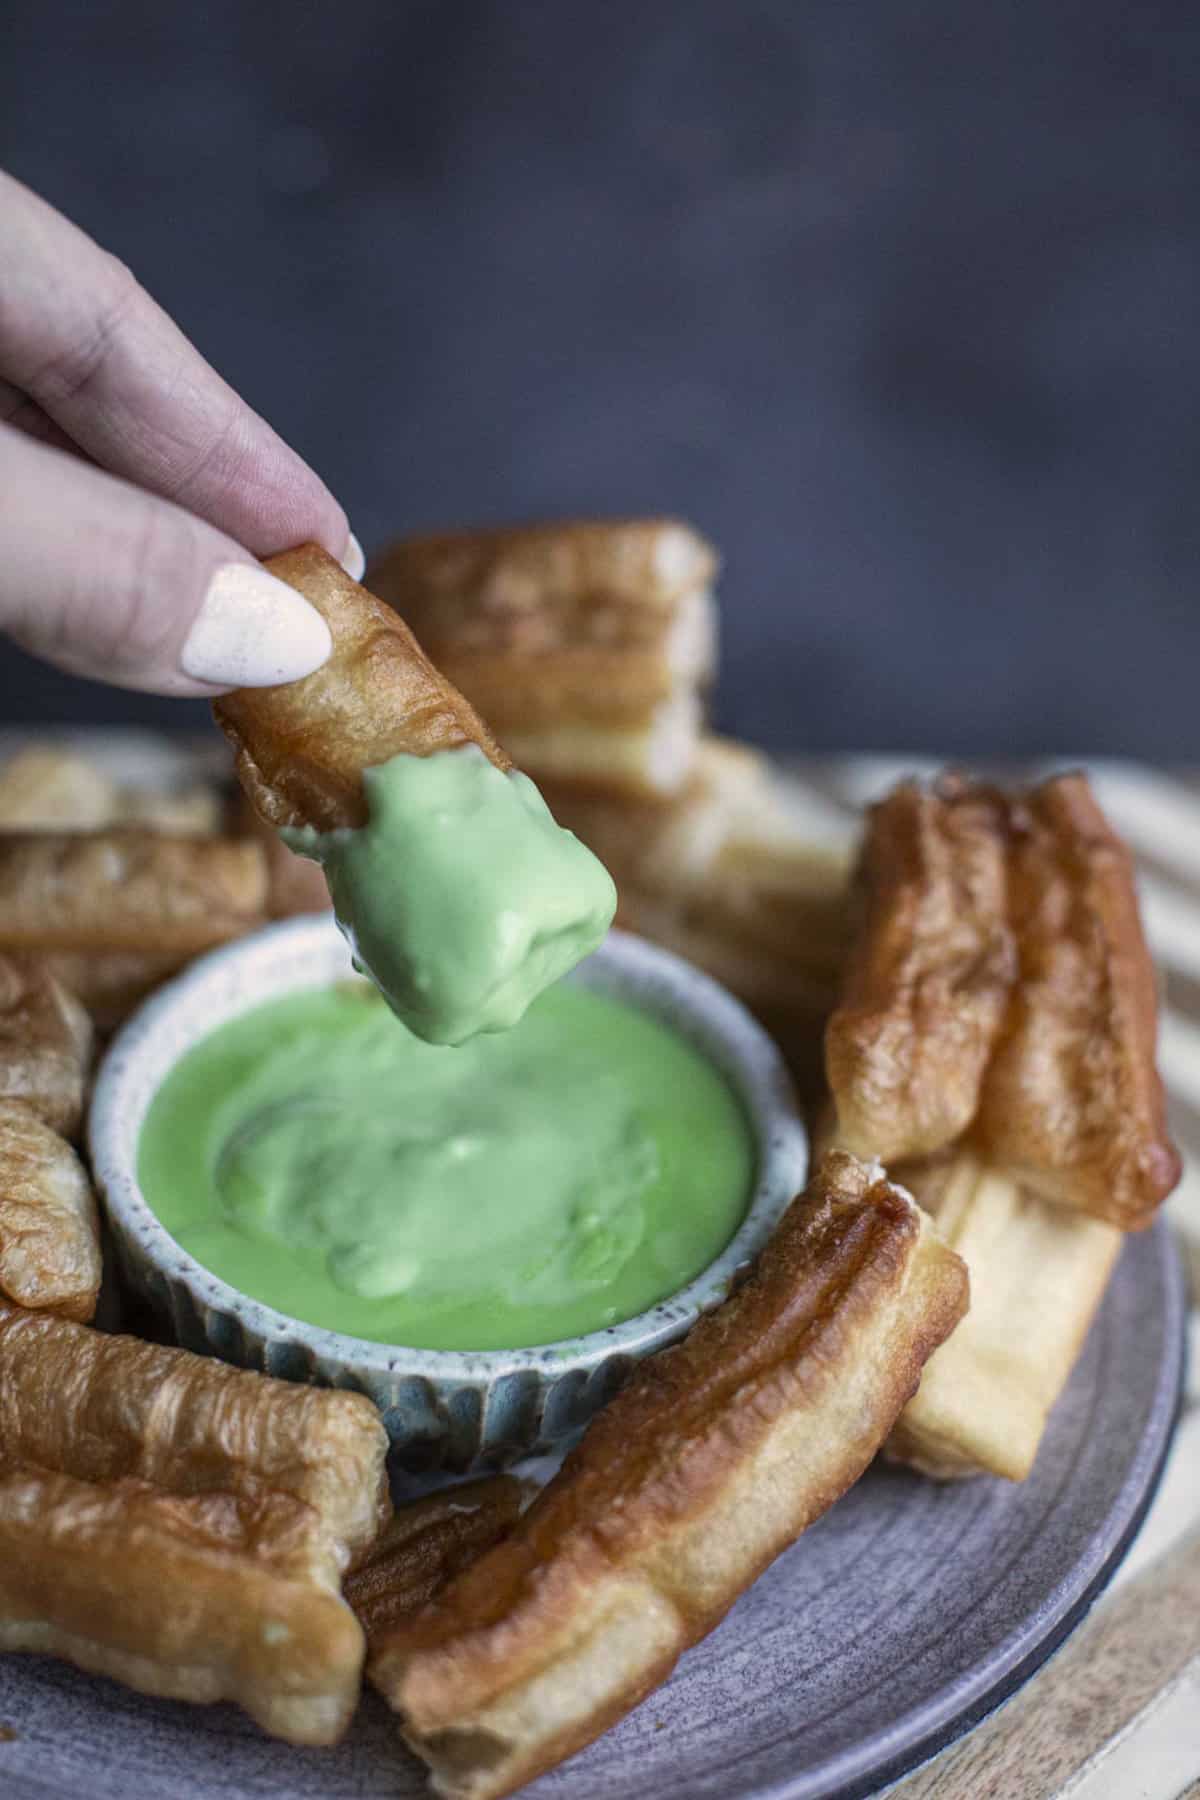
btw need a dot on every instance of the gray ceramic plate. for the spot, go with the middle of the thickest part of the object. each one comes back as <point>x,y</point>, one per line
<point>898,1620</point>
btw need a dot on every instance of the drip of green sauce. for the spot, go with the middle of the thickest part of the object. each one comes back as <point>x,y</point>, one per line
<point>461,897</point>
<point>517,1190</point>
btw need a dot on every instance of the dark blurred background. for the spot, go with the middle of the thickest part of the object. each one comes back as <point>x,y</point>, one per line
<point>898,303</point>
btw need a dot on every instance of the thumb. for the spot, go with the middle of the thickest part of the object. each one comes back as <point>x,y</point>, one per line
<point>110,582</point>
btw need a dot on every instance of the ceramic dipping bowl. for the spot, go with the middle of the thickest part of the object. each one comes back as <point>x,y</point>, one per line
<point>447,1410</point>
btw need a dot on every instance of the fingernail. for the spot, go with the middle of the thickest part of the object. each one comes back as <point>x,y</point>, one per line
<point>253,631</point>
<point>353,560</point>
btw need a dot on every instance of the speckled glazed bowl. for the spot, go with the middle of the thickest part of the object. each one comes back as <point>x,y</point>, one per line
<point>446,1409</point>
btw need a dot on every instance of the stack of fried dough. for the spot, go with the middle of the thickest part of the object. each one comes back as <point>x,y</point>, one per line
<point>980,997</point>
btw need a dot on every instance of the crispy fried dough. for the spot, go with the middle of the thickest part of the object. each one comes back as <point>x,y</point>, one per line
<point>50,788</point>
<point>930,972</point>
<point>127,889</point>
<point>183,1525</point>
<point>101,1408</point>
<point>45,1043</point>
<point>186,811</point>
<point>425,1545</point>
<point>201,1596</point>
<point>1038,1273</point>
<point>583,645</point>
<point>1073,1105</point>
<point>301,748</point>
<point>110,984</point>
<point>49,1228</point>
<point>716,1455</point>
<point>1000,990</point>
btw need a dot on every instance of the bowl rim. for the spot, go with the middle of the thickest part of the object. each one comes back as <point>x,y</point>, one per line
<point>625,965</point>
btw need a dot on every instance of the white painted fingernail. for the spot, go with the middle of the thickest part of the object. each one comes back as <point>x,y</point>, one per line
<point>353,559</point>
<point>253,631</point>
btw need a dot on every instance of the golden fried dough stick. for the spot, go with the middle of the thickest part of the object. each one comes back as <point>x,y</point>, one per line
<point>1073,1106</point>
<point>1001,990</point>
<point>45,1043</point>
<point>103,1408</point>
<point>301,748</point>
<point>184,1525</point>
<point>49,1229</point>
<point>425,1545</point>
<point>584,645</point>
<point>127,889</point>
<point>50,788</point>
<point>1038,1274</point>
<point>715,1456</point>
<point>201,1596</point>
<point>929,975</point>
<point>110,984</point>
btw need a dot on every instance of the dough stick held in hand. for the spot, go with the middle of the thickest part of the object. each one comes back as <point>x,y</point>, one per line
<point>461,897</point>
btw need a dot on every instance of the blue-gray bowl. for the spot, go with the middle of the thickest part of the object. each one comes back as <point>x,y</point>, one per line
<point>444,1409</point>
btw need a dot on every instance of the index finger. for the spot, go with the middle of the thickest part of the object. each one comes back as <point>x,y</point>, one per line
<point>84,341</point>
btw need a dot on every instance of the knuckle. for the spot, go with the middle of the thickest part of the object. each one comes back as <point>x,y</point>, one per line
<point>74,367</point>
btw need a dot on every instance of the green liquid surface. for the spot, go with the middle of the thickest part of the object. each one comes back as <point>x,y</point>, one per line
<point>517,1190</point>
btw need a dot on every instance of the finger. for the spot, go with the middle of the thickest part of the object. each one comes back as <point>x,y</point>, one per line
<point>17,410</point>
<point>83,341</point>
<point>111,582</point>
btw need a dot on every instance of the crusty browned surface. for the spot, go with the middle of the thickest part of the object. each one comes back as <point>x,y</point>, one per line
<point>45,1043</point>
<point>202,1596</point>
<point>50,1255</point>
<point>103,1407</point>
<point>1073,1105</point>
<point>1000,993</point>
<point>929,972</point>
<point>127,889</point>
<point>713,1458</point>
<point>301,748</point>
<point>426,1544</point>
<point>183,1525</point>
<point>544,623</point>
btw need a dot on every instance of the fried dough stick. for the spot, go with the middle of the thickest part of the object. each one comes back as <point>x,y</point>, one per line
<point>1000,991</point>
<point>195,1597</point>
<point>716,1455</point>
<point>1038,1274</point>
<point>1073,1106</point>
<point>45,1043</point>
<point>425,1545</point>
<point>929,976</point>
<point>49,1228</point>
<point>127,890</point>
<point>301,748</point>
<point>183,1525</point>
<point>460,895</point>
<point>585,645</point>
<point>110,984</point>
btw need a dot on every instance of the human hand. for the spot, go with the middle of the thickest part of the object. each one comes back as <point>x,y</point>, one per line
<point>136,488</point>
